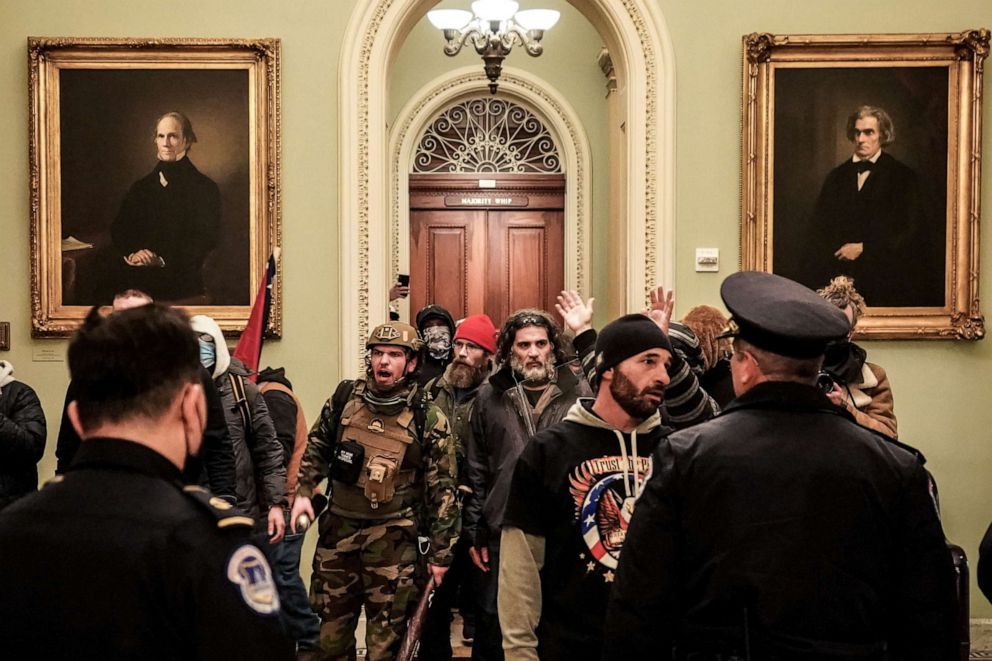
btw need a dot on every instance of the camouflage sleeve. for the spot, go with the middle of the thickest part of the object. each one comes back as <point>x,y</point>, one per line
<point>315,464</point>
<point>440,483</point>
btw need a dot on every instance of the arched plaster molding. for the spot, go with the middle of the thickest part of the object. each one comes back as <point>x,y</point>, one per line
<point>638,39</point>
<point>550,107</point>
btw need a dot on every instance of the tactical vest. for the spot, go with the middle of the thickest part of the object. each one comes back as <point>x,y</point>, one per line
<point>393,460</point>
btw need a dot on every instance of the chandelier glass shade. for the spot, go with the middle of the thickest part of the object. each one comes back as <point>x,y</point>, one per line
<point>493,27</point>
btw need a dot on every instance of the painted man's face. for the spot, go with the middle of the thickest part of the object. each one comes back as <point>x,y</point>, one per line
<point>866,138</point>
<point>169,140</point>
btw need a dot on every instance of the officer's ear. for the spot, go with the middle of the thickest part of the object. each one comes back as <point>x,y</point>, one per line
<point>73,412</point>
<point>193,412</point>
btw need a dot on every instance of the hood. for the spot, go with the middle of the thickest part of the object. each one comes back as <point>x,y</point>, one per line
<point>633,484</point>
<point>201,323</point>
<point>275,375</point>
<point>582,414</point>
<point>435,311</point>
<point>6,373</point>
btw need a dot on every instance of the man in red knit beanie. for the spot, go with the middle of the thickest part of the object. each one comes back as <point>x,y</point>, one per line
<point>472,350</point>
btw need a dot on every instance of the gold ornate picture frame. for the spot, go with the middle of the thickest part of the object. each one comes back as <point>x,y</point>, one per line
<point>905,224</point>
<point>100,183</point>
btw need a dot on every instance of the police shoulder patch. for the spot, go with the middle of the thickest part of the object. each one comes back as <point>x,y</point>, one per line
<point>249,570</point>
<point>224,513</point>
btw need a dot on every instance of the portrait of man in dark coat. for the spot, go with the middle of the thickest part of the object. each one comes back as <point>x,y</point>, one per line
<point>169,221</point>
<point>860,181</point>
<point>870,217</point>
<point>156,185</point>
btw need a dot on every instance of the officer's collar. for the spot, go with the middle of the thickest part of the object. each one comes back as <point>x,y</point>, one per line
<point>116,453</point>
<point>788,395</point>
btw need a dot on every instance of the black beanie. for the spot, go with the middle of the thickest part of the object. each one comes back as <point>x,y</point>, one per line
<point>625,337</point>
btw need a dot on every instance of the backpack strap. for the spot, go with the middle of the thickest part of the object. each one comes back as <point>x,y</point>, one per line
<point>241,404</point>
<point>421,400</point>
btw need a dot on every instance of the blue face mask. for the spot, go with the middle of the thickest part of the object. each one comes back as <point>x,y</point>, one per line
<point>208,353</point>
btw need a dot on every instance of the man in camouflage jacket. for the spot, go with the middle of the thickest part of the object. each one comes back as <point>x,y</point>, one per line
<point>386,451</point>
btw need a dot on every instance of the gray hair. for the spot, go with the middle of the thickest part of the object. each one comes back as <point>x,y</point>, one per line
<point>886,129</point>
<point>184,125</point>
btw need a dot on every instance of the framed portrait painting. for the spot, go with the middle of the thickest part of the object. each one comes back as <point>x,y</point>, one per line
<point>861,158</point>
<point>154,166</point>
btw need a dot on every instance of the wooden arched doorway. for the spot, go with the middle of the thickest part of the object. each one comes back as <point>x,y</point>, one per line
<point>486,211</point>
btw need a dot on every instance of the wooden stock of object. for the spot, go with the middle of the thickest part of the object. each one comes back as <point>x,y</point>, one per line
<point>411,639</point>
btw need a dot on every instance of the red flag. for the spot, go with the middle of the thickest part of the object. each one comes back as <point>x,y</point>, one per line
<point>249,348</point>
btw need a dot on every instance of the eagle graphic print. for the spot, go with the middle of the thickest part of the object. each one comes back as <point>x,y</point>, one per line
<point>604,502</point>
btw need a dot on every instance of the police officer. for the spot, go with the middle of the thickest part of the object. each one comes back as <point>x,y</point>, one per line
<point>388,455</point>
<point>115,558</point>
<point>782,529</point>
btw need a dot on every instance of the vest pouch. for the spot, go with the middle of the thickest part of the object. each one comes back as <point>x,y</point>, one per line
<point>349,459</point>
<point>380,480</point>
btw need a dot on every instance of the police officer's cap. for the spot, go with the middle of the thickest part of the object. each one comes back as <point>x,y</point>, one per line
<point>781,316</point>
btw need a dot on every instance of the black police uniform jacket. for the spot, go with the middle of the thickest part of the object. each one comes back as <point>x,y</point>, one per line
<point>784,518</point>
<point>114,560</point>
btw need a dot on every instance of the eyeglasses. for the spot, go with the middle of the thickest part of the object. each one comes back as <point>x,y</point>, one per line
<point>459,345</point>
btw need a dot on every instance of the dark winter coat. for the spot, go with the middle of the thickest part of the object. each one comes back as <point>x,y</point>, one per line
<point>784,527</point>
<point>258,456</point>
<point>499,433</point>
<point>22,441</point>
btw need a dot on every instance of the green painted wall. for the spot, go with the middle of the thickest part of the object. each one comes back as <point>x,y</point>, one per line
<point>939,386</point>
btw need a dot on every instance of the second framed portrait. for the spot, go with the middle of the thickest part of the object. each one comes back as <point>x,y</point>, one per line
<point>859,160</point>
<point>155,166</point>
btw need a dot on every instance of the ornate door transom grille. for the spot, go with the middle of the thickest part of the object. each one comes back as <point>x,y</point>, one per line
<point>487,135</point>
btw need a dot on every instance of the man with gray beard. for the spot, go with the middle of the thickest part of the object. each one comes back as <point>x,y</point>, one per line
<point>531,390</point>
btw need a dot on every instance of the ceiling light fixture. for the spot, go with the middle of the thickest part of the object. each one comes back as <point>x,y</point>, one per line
<point>494,27</point>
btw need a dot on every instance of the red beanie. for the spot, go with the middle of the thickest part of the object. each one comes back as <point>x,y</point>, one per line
<point>479,330</point>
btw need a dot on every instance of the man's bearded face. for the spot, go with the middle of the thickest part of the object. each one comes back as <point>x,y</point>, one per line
<point>532,355</point>
<point>469,365</point>
<point>641,392</point>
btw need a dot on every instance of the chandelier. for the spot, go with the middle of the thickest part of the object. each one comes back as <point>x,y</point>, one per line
<point>494,27</point>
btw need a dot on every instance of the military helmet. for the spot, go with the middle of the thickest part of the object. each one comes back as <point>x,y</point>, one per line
<point>395,333</point>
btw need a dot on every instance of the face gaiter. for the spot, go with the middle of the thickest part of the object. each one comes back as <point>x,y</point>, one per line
<point>438,339</point>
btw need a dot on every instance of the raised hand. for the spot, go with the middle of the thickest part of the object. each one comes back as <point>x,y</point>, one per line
<point>662,304</point>
<point>576,313</point>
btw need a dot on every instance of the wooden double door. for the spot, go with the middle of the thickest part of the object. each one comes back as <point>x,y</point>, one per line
<point>492,250</point>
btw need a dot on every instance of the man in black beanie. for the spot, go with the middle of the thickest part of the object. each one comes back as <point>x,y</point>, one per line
<point>573,492</point>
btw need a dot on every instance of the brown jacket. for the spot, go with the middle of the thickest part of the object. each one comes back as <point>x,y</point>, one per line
<point>870,402</point>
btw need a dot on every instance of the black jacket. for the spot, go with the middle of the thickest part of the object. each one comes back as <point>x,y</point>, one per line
<point>22,441</point>
<point>900,225</point>
<point>214,468</point>
<point>282,410</point>
<point>258,457</point>
<point>114,560</point>
<point>784,518</point>
<point>498,434</point>
<point>179,222</point>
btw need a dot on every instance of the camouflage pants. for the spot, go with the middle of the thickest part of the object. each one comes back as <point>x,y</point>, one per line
<point>370,563</point>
